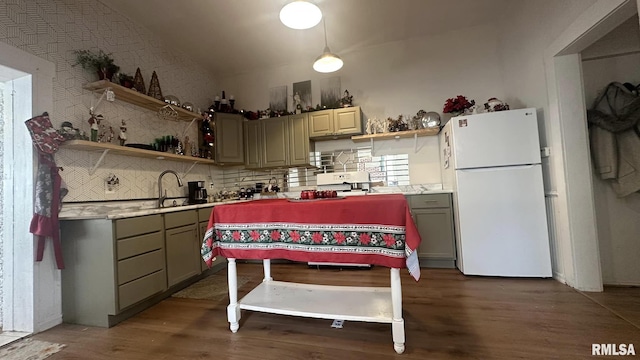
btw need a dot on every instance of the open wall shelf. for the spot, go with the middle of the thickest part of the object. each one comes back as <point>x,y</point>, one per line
<point>129,151</point>
<point>133,97</point>
<point>396,135</point>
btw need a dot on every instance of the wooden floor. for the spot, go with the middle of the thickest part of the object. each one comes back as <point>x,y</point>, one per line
<point>447,316</point>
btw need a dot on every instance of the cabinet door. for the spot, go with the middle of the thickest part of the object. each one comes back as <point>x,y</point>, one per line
<point>436,230</point>
<point>183,254</point>
<point>298,139</point>
<point>229,134</point>
<point>348,121</point>
<point>321,123</point>
<point>275,142</point>
<point>252,144</point>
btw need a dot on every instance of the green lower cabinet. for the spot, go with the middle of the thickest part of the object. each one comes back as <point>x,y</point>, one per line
<point>433,217</point>
<point>110,267</point>
<point>117,268</point>
<point>182,254</point>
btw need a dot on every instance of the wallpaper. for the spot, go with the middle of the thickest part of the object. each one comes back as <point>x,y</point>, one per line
<point>52,30</point>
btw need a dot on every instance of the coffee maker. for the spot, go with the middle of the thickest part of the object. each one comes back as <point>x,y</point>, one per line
<point>197,192</point>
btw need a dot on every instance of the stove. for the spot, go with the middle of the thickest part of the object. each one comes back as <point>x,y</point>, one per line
<point>348,183</point>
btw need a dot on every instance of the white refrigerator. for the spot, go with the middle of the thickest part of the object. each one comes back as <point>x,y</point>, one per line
<point>491,162</point>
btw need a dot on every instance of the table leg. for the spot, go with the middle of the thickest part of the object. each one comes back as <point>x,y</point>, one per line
<point>233,310</point>
<point>397,326</point>
<point>266,263</point>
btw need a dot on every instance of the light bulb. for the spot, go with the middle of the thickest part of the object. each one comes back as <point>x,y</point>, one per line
<point>300,15</point>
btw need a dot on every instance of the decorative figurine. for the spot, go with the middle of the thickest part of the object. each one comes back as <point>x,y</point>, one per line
<point>123,133</point>
<point>94,121</point>
<point>347,100</point>
<point>110,135</point>
<point>495,104</point>
<point>154,87</point>
<point>296,103</point>
<point>138,82</point>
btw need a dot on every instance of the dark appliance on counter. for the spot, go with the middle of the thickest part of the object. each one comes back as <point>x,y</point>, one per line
<point>197,192</point>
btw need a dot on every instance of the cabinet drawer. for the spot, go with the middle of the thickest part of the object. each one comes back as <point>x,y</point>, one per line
<point>137,245</point>
<point>204,214</point>
<point>430,201</point>
<point>180,218</point>
<point>140,266</point>
<point>138,225</point>
<point>141,289</point>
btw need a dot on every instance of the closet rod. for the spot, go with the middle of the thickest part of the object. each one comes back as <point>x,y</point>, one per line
<point>612,56</point>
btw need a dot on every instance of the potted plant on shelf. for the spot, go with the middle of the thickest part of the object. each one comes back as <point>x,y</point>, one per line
<point>125,80</point>
<point>100,62</point>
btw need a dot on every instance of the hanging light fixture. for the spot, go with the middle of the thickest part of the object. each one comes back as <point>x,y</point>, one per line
<point>300,15</point>
<point>328,61</point>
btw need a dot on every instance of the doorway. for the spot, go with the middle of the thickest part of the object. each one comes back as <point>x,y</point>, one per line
<point>15,103</point>
<point>614,58</point>
<point>30,295</point>
<point>579,248</point>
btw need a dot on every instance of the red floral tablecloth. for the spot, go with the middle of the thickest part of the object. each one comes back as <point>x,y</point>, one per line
<point>372,229</point>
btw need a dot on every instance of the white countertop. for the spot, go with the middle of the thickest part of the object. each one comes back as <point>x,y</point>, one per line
<point>112,210</point>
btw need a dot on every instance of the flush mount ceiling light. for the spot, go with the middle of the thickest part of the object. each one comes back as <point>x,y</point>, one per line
<point>328,61</point>
<point>300,15</point>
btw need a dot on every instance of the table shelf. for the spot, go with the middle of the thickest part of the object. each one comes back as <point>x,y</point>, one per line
<point>133,97</point>
<point>368,304</point>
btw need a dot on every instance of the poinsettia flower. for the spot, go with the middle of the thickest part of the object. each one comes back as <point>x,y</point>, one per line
<point>389,239</point>
<point>255,235</point>
<point>457,104</point>
<point>209,243</point>
<point>365,238</point>
<point>275,235</point>
<point>236,235</point>
<point>219,234</point>
<point>317,238</point>
<point>339,237</point>
<point>295,235</point>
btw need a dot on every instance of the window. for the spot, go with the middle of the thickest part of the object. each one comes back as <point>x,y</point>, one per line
<point>385,170</point>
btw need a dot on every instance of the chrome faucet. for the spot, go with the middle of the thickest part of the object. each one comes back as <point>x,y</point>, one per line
<point>162,197</point>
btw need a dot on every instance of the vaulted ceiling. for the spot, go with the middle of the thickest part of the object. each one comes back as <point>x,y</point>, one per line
<point>234,36</point>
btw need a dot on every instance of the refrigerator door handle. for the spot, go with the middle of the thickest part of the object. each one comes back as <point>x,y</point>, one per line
<point>499,168</point>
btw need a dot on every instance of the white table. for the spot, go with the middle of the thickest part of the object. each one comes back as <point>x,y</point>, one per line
<point>369,304</point>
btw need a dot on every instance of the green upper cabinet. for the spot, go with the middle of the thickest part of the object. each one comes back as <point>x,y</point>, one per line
<point>348,121</point>
<point>275,142</point>
<point>321,123</point>
<point>229,139</point>
<point>252,144</point>
<point>299,144</point>
<point>336,122</point>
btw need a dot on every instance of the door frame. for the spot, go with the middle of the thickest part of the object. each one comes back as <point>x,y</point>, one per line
<point>570,161</point>
<point>32,298</point>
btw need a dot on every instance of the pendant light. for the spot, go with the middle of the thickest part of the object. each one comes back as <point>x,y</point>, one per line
<point>300,15</point>
<point>328,61</point>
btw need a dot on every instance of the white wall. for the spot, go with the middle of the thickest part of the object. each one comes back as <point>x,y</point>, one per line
<point>395,78</point>
<point>618,219</point>
<point>52,30</point>
<point>526,32</point>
